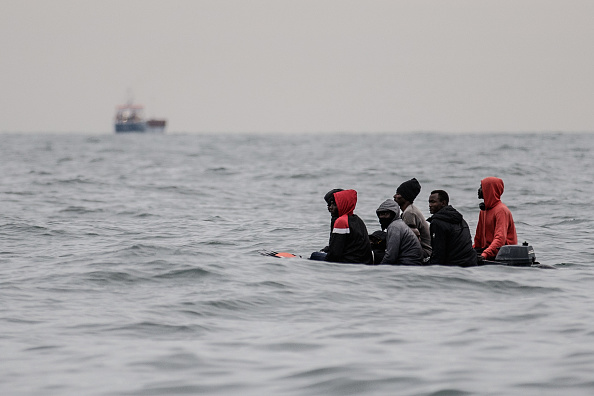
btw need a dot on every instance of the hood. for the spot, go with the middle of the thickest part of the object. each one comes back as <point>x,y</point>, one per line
<point>448,214</point>
<point>346,201</point>
<point>492,190</point>
<point>389,205</point>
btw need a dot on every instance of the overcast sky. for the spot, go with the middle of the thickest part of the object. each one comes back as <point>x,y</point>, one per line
<point>299,66</point>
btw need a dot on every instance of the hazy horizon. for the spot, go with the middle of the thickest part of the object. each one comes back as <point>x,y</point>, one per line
<point>306,66</point>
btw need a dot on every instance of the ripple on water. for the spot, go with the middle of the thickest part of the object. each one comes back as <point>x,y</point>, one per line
<point>134,258</point>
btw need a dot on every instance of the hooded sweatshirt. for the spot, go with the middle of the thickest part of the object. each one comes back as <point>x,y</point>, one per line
<point>349,241</point>
<point>450,239</point>
<point>402,245</point>
<point>495,226</point>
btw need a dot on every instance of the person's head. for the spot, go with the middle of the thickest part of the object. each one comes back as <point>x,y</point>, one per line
<point>438,200</point>
<point>331,201</point>
<point>385,218</point>
<point>342,202</point>
<point>407,192</point>
<point>490,191</point>
<point>387,212</point>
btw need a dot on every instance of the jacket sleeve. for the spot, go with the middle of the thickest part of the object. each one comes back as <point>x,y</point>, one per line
<point>392,246</point>
<point>500,234</point>
<point>411,220</point>
<point>336,247</point>
<point>480,232</point>
<point>438,243</point>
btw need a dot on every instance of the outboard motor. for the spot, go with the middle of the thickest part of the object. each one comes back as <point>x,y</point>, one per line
<point>516,255</point>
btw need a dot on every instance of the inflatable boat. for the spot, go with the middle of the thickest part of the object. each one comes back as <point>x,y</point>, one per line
<point>509,255</point>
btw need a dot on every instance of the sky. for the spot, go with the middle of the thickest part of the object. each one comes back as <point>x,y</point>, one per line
<point>299,66</point>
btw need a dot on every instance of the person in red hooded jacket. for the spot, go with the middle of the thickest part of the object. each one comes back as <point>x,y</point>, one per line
<point>495,226</point>
<point>349,241</point>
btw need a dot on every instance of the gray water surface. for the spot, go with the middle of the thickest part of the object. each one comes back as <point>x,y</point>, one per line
<point>129,265</point>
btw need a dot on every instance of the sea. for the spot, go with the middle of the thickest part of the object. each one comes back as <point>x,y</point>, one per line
<point>130,265</point>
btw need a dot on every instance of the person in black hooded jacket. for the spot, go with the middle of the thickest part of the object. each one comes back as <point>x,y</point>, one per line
<point>349,241</point>
<point>450,236</point>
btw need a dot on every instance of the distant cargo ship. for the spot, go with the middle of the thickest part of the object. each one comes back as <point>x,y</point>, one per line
<point>130,118</point>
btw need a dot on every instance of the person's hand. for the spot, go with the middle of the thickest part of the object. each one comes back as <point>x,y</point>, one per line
<point>480,260</point>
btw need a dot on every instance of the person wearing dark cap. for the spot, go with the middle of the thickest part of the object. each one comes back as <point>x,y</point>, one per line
<point>349,241</point>
<point>412,216</point>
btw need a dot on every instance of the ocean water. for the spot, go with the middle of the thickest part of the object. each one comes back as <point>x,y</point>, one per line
<point>129,265</point>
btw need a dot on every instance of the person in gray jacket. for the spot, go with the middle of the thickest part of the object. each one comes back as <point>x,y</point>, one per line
<point>402,245</point>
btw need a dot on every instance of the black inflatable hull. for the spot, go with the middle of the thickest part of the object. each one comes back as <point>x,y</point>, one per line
<point>509,255</point>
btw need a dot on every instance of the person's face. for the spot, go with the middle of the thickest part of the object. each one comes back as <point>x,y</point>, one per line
<point>385,218</point>
<point>480,192</point>
<point>399,199</point>
<point>435,205</point>
<point>333,209</point>
<point>384,215</point>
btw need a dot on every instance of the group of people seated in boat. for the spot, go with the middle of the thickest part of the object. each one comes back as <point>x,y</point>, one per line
<point>407,238</point>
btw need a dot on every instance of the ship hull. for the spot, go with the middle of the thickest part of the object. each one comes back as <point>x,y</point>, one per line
<point>130,127</point>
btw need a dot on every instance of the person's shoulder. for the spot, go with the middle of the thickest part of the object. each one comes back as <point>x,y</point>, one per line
<point>417,212</point>
<point>341,222</point>
<point>505,206</point>
<point>409,218</point>
<point>501,208</point>
<point>398,225</point>
<point>356,219</point>
<point>407,232</point>
<point>436,220</point>
<point>408,212</point>
<point>413,213</point>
